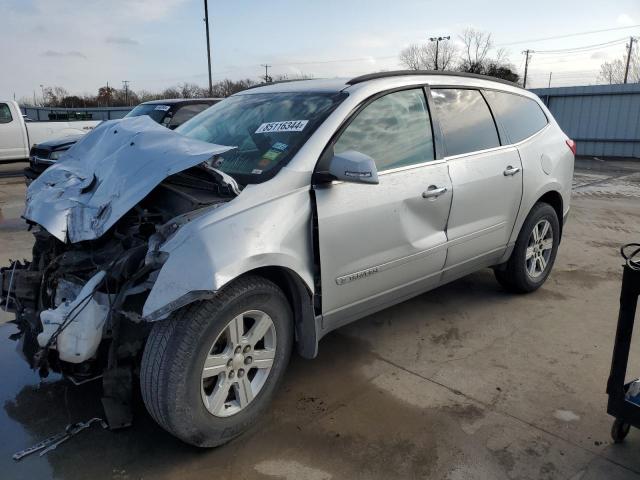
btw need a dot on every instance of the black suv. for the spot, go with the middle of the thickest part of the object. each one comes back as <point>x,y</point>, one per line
<point>171,113</point>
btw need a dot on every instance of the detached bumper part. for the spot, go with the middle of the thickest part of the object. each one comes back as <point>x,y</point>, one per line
<point>77,324</point>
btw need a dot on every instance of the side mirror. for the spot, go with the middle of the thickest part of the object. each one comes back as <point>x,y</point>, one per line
<point>355,167</point>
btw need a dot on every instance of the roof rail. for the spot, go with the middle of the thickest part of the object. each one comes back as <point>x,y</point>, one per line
<point>401,73</point>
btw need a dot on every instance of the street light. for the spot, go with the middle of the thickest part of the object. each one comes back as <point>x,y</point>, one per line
<point>438,40</point>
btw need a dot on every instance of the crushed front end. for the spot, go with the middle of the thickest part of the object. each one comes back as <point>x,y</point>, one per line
<point>99,219</point>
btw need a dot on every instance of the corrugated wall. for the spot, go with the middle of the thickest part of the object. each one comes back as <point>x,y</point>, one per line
<point>603,119</point>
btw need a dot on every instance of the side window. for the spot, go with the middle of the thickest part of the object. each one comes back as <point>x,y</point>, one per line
<point>520,116</point>
<point>5,113</point>
<point>465,120</point>
<point>394,130</point>
<point>186,113</point>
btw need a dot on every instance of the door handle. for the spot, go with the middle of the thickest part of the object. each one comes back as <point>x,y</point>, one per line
<point>511,171</point>
<point>433,192</point>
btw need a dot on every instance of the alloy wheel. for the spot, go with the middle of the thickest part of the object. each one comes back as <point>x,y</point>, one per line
<point>539,248</point>
<point>238,363</point>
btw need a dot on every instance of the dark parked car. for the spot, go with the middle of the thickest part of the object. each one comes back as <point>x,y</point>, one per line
<point>171,113</point>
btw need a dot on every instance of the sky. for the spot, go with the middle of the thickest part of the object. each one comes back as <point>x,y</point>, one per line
<point>83,44</point>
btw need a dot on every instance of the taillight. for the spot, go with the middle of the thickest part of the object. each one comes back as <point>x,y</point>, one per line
<point>572,146</point>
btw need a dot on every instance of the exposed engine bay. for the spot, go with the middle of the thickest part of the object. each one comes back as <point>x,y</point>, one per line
<point>78,304</point>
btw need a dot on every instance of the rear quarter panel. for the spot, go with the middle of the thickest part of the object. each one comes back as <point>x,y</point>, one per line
<point>547,165</point>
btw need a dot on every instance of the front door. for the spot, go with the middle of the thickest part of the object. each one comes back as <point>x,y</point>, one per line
<point>12,141</point>
<point>380,244</point>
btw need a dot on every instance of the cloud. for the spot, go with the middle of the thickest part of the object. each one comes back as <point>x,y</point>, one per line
<point>70,53</point>
<point>625,20</point>
<point>599,55</point>
<point>151,10</point>
<point>122,41</point>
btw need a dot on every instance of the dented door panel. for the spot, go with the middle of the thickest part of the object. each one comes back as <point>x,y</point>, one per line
<point>378,238</point>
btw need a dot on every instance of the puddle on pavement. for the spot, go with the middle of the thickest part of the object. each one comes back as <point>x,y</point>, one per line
<point>33,410</point>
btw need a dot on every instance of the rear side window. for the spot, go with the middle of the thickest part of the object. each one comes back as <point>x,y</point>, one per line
<point>5,113</point>
<point>394,130</point>
<point>521,117</point>
<point>465,119</point>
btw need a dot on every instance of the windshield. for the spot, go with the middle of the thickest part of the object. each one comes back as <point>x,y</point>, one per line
<point>155,111</point>
<point>267,129</point>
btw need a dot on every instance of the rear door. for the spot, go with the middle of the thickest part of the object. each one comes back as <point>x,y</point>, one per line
<point>486,177</point>
<point>382,243</point>
<point>12,134</point>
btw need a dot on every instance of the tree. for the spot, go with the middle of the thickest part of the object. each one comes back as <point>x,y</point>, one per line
<point>504,71</point>
<point>71,101</point>
<point>191,90</point>
<point>105,96</point>
<point>171,92</point>
<point>229,87</point>
<point>423,57</point>
<point>476,47</point>
<point>414,57</point>
<point>613,72</point>
<point>477,58</point>
<point>53,96</point>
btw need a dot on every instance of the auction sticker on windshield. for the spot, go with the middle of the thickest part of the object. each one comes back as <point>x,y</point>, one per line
<point>164,108</point>
<point>288,126</point>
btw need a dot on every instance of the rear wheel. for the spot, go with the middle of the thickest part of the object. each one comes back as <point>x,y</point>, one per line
<point>209,371</point>
<point>534,252</point>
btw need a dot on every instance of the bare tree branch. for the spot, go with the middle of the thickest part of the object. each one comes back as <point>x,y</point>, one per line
<point>613,72</point>
<point>414,57</point>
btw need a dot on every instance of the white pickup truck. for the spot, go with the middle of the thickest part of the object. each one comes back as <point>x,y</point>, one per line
<point>17,136</point>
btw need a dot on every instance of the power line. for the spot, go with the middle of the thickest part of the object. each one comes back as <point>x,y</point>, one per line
<point>341,60</point>
<point>597,46</point>
<point>576,34</point>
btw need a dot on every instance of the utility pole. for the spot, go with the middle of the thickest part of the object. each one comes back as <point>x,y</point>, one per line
<point>438,40</point>
<point>549,86</point>
<point>42,90</point>
<point>206,22</point>
<point>125,83</point>
<point>626,68</point>
<point>108,95</point>
<point>526,66</point>
<point>267,78</point>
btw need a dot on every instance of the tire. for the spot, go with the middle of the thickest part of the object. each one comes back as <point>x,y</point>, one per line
<point>171,376</point>
<point>516,275</point>
<point>619,430</point>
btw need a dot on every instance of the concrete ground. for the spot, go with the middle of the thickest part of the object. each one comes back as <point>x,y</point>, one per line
<point>464,382</point>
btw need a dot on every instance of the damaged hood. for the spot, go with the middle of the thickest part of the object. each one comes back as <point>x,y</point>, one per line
<point>108,172</point>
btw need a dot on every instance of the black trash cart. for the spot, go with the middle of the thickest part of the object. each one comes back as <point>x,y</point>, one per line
<point>625,410</point>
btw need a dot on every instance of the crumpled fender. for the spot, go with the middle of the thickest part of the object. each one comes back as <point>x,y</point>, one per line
<point>211,250</point>
<point>106,173</point>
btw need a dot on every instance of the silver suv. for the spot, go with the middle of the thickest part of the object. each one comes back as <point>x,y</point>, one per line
<point>206,254</point>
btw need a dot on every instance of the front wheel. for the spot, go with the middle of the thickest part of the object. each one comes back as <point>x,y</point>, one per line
<point>209,371</point>
<point>534,252</point>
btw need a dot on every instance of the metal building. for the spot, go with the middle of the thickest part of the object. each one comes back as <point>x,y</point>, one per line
<point>604,120</point>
